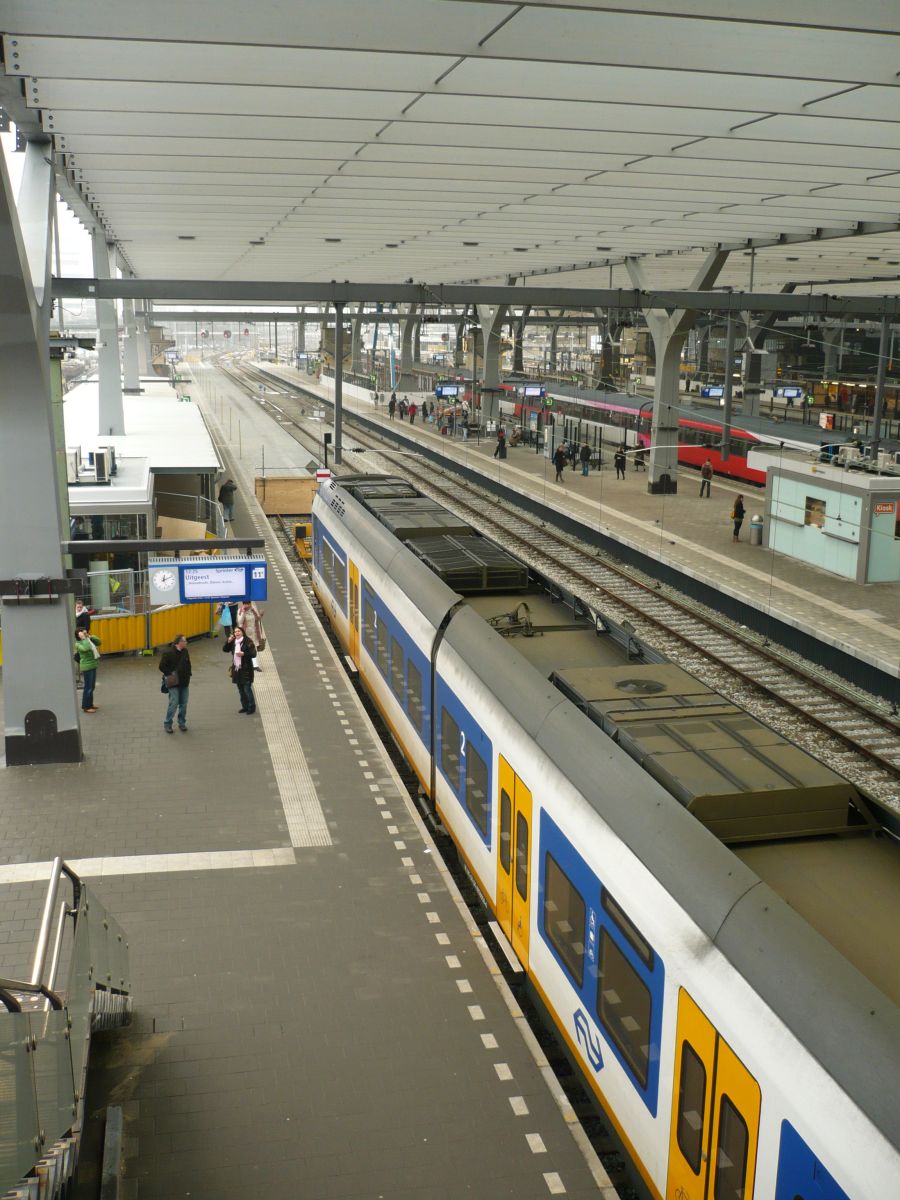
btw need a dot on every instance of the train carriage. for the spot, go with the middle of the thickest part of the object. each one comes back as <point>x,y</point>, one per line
<point>736,1053</point>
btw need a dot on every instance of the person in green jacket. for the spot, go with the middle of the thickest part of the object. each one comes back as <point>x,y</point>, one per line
<point>88,656</point>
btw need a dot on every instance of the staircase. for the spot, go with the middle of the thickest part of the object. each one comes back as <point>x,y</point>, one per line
<point>45,1036</point>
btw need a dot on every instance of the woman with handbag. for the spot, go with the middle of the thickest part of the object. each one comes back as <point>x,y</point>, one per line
<point>175,666</point>
<point>242,652</point>
<point>249,619</point>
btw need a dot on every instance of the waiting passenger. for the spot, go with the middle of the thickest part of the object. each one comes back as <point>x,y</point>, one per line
<point>249,619</point>
<point>500,449</point>
<point>413,409</point>
<point>392,406</point>
<point>585,459</point>
<point>559,461</point>
<point>706,474</point>
<point>620,462</point>
<point>87,656</point>
<point>226,498</point>
<point>737,515</point>
<point>175,667</point>
<point>243,653</point>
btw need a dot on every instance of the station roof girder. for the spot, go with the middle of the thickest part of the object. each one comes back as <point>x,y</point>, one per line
<point>432,127</point>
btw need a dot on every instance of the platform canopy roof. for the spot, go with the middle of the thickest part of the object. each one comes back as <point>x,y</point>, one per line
<point>473,140</point>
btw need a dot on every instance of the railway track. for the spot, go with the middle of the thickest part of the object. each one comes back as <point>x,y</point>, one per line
<point>854,734</point>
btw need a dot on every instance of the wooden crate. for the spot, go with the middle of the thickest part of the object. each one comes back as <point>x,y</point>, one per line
<point>285,494</point>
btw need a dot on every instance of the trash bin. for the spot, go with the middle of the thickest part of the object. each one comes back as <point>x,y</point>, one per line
<point>756,530</point>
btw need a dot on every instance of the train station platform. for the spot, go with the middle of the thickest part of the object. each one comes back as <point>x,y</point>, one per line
<point>686,534</point>
<point>315,1013</point>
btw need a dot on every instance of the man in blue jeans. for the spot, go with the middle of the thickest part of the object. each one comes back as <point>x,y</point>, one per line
<point>175,665</point>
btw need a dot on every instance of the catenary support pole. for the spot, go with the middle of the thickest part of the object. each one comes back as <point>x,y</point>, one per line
<point>729,386</point>
<point>879,386</point>
<point>338,382</point>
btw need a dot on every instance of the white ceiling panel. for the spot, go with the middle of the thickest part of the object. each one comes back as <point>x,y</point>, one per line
<point>748,49</point>
<point>49,58</point>
<point>544,131</point>
<point>203,99</point>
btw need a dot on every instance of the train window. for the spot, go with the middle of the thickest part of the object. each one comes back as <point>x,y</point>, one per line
<point>522,856</point>
<point>731,1154</point>
<point>340,582</point>
<point>564,913</point>
<point>624,1007</point>
<point>505,829</point>
<point>370,628</point>
<point>450,749</point>
<point>414,693</point>
<point>397,669</point>
<point>383,652</point>
<point>691,1103</point>
<point>639,945</point>
<point>477,789</point>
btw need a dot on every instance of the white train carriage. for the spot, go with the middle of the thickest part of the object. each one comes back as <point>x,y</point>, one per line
<point>736,1052</point>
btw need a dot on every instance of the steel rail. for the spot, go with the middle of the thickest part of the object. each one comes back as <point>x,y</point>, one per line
<point>526,550</point>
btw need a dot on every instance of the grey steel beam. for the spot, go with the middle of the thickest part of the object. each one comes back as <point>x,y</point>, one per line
<point>39,708</point>
<point>253,292</point>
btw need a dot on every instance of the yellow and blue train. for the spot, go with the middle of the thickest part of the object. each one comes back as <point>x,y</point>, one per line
<point>743,1045</point>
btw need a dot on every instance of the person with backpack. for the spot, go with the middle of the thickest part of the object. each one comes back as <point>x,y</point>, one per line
<point>706,474</point>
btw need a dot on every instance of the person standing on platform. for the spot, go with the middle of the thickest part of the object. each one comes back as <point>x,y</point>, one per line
<point>413,409</point>
<point>227,614</point>
<point>500,448</point>
<point>175,667</point>
<point>404,408</point>
<point>706,474</point>
<point>226,498</point>
<point>394,399</point>
<point>574,450</point>
<point>250,620</point>
<point>392,406</point>
<point>82,618</point>
<point>585,459</point>
<point>559,461</point>
<point>88,657</point>
<point>620,461</point>
<point>242,653</point>
<point>737,515</point>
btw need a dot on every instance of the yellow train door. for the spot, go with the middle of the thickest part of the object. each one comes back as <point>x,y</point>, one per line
<point>715,1114</point>
<point>513,859</point>
<point>354,612</point>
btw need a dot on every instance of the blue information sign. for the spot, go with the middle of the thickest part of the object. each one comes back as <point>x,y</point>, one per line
<point>210,579</point>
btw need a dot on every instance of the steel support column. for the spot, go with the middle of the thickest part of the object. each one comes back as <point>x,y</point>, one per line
<point>111,412</point>
<point>356,362</point>
<point>669,331</point>
<point>491,318</point>
<point>459,352</point>
<point>518,335</point>
<point>131,381</point>
<point>39,705</point>
<point>408,324</point>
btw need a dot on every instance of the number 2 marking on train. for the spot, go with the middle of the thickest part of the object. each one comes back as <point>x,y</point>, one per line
<point>462,744</point>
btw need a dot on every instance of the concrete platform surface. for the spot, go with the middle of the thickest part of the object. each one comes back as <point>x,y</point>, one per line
<point>315,1014</point>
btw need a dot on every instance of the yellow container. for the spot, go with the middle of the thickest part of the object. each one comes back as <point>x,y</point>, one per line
<point>189,619</point>
<point>120,634</point>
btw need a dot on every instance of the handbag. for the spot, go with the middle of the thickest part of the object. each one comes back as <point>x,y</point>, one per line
<point>171,680</point>
<point>225,616</point>
<point>261,644</point>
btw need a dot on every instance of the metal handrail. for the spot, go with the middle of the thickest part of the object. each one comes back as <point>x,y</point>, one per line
<point>43,939</point>
<point>37,985</point>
